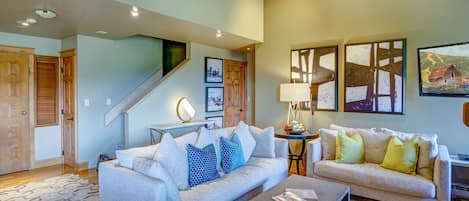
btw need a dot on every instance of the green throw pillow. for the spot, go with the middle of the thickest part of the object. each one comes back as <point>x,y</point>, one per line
<point>349,149</point>
<point>401,156</point>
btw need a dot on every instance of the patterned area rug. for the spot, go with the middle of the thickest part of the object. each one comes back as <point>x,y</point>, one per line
<point>64,188</point>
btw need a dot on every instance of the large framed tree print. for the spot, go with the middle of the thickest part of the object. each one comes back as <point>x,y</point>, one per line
<point>375,77</point>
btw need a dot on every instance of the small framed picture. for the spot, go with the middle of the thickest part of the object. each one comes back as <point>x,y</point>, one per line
<point>214,99</point>
<point>217,122</point>
<point>213,70</point>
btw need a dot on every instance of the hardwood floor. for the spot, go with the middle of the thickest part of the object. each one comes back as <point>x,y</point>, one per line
<point>27,176</point>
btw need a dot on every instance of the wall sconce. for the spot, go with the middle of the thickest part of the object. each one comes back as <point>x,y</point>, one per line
<point>184,110</point>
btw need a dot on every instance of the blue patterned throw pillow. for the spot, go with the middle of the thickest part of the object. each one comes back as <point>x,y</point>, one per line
<point>232,156</point>
<point>202,164</point>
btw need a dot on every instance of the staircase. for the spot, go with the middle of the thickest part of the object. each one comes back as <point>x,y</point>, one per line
<point>144,90</point>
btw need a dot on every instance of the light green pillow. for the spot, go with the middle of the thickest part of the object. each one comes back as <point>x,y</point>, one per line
<point>349,149</point>
<point>401,156</point>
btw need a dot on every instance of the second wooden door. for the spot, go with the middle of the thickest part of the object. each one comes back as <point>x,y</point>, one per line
<point>68,112</point>
<point>235,92</point>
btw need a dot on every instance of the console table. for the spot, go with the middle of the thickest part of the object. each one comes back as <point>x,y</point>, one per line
<point>303,137</point>
<point>157,130</point>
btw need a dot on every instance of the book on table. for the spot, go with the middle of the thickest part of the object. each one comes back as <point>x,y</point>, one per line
<point>294,194</point>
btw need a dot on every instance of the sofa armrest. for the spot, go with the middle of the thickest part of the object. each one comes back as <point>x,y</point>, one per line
<point>313,155</point>
<point>442,174</point>
<point>281,148</point>
<point>118,183</point>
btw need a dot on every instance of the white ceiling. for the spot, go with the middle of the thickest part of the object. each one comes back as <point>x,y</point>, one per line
<point>88,16</point>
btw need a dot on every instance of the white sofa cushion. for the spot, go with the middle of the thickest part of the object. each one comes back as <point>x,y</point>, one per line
<point>237,183</point>
<point>172,155</point>
<point>376,144</point>
<point>247,141</point>
<point>127,156</point>
<point>328,143</point>
<point>428,151</point>
<point>265,142</point>
<point>207,136</point>
<point>155,170</point>
<point>373,176</point>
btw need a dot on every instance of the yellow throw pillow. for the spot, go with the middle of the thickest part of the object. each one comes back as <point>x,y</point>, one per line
<point>349,149</point>
<point>401,156</point>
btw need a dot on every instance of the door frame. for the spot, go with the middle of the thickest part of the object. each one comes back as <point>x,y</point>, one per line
<point>31,105</point>
<point>67,53</point>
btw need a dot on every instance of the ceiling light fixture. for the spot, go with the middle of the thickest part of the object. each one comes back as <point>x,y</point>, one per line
<point>25,24</point>
<point>101,32</point>
<point>31,20</point>
<point>248,49</point>
<point>218,33</point>
<point>134,11</point>
<point>45,13</point>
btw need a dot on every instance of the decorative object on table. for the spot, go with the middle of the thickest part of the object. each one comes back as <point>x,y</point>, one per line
<point>185,111</point>
<point>444,70</point>
<point>374,77</point>
<point>104,158</point>
<point>65,187</point>
<point>287,196</point>
<point>216,124</point>
<point>294,94</point>
<point>465,114</point>
<point>317,67</point>
<point>213,70</point>
<point>214,99</point>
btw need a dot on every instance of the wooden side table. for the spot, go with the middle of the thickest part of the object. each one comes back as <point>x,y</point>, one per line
<point>303,137</point>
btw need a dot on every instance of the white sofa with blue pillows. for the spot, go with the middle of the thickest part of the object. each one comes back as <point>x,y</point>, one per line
<point>135,175</point>
<point>433,170</point>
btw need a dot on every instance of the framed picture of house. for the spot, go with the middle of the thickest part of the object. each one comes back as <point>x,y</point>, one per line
<point>318,67</point>
<point>213,70</point>
<point>444,70</point>
<point>375,77</point>
<point>214,99</point>
<point>217,122</point>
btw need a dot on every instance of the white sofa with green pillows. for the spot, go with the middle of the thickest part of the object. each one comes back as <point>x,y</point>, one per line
<point>382,164</point>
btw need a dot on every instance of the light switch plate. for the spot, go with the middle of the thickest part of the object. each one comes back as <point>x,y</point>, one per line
<point>86,102</point>
<point>108,101</point>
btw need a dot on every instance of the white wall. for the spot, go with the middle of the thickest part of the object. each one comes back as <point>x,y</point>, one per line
<point>47,142</point>
<point>308,23</point>
<point>160,107</point>
<point>239,17</point>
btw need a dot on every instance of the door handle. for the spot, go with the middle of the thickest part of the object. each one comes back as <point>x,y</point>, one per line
<point>241,110</point>
<point>70,119</point>
<point>24,113</point>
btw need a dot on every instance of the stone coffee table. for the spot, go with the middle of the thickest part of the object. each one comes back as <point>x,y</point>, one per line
<point>325,190</point>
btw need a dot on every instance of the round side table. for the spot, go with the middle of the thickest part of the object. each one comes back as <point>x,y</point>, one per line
<point>303,137</point>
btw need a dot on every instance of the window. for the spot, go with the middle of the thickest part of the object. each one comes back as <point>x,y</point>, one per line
<point>46,85</point>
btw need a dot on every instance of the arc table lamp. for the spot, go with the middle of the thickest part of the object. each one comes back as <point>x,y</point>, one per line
<point>294,93</point>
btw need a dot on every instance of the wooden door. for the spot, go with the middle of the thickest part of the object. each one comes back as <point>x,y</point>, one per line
<point>68,103</point>
<point>14,112</point>
<point>235,92</point>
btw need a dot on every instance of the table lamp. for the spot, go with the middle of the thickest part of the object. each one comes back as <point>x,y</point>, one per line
<point>294,93</point>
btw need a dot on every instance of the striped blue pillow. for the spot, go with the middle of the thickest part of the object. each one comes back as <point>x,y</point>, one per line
<point>202,164</point>
<point>232,156</point>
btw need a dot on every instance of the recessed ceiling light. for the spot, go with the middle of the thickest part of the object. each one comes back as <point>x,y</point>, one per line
<point>248,48</point>
<point>31,20</point>
<point>45,13</point>
<point>134,11</point>
<point>101,32</point>
<point>25,24</point>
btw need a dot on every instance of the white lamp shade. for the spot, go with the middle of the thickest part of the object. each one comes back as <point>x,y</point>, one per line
<point>294,92</point>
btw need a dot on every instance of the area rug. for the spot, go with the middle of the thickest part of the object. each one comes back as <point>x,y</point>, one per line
<point>64,188</point>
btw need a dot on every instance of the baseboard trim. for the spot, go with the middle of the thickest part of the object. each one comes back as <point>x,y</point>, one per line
<point>47,162</point>
<point>82,166</point>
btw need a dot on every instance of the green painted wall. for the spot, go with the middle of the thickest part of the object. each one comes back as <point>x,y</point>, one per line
<point>239,17</point>
<point>109,69</point>
<point>309,23</point>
